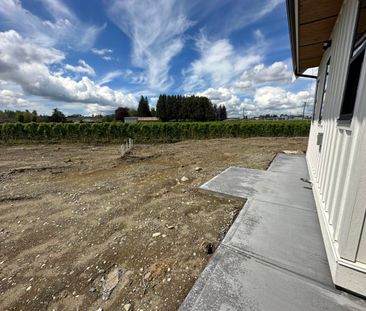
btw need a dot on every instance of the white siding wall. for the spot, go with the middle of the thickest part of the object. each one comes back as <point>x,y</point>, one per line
<point>338,170</point>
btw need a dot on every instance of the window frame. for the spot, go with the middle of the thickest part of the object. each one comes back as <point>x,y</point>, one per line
<point>325,87</point>
<point>358,47</point>
<point>316,98</point>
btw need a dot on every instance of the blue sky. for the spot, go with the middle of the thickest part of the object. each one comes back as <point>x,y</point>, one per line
<point>93,56</point>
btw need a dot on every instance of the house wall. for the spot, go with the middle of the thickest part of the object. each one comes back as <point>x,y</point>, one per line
<point>130,120</point>
<point>338,166</point>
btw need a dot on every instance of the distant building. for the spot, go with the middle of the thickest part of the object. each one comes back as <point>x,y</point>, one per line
<point>81,119</point>
<point>3,120</point>
<point>130,119</point>
<point>91,120</point>
<point>73,119</point>
<point>141,119</point>
<point>148,119</point>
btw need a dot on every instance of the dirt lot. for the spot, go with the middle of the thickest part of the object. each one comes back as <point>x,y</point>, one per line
<point>77,220</point>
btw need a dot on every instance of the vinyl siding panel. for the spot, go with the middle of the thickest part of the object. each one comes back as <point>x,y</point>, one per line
<point>337,167</point>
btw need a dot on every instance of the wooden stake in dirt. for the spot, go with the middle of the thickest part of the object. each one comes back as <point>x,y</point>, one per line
<point>126,147</point>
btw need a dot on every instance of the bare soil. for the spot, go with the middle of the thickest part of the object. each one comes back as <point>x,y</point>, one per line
<point>77,220</point>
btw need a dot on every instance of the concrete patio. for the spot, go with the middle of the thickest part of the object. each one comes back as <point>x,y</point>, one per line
<point>273,257</point>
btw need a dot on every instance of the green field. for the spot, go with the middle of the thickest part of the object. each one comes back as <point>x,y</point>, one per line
<point>147,132</point>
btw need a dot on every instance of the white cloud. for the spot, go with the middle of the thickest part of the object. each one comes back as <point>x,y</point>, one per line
<point>13,100</point>
<point>260,90</point>
<point>156,28</point>
<point>107,58</point>
<point>27,65</point>
<point>223,96</point>
<point>219,63</point>
<point>101,52</point>
<point>153,101</point>
<point>266,100</point>
<point>96,109</point>
<point>63,28</point>
<point>276,100</point>
<point>278,72</point>
<point>82,68</point>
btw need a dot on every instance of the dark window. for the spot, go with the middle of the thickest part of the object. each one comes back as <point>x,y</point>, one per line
<point>316,98</point>
<point>355,66</point>
<point>361,24</point>
<point>325,87</point>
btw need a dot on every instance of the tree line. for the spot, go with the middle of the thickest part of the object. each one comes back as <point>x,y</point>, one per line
<point>168,108</point>
<point>19,116</point>
<point>176,108</point>
<point>188,108</point>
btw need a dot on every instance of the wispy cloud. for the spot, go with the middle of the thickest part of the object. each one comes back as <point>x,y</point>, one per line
<point>156,28</point>
<point>220,63</point>
<point>127,75</point>
<point>83,68</point>
<point>221,18</point>
<point>107,58</point>
<point>101,52</point>
<point>109,77</point>
<point>157,31</point>
<point>63,27</point>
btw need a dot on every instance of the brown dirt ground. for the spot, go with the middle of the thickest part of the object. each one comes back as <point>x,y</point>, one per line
<point>70,214</point>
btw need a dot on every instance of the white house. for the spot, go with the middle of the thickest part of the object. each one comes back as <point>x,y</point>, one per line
<point>331,35</point>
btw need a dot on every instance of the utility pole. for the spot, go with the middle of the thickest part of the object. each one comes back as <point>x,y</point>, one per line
<point>303,111</point>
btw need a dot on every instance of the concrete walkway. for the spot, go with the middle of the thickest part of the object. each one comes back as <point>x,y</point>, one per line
<point>273,257</point>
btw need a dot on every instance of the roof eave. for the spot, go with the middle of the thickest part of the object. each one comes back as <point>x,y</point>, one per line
<point>291,6</point>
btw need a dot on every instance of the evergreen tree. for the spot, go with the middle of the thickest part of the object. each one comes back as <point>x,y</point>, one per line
<point>224,114</point>
<point>192,108</point>
<point>161,108</point>
<point>143,109</point>
<point>216,112</point>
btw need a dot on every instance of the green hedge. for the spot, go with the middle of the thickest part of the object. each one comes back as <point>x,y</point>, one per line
<point>147,132</point>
